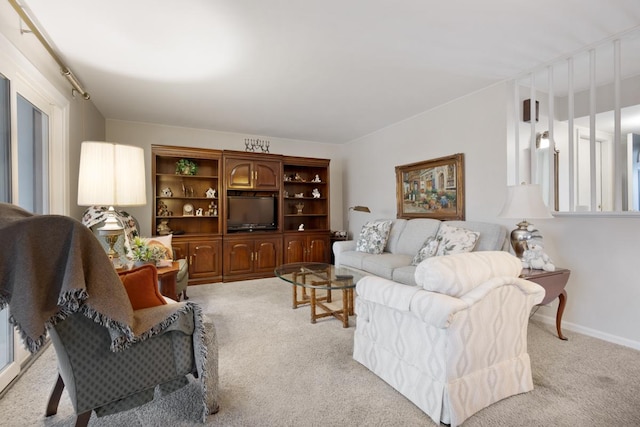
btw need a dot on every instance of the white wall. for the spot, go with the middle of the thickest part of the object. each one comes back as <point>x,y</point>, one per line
<point>145,134</point>
<point>471,126</point>
<point>601,252</point>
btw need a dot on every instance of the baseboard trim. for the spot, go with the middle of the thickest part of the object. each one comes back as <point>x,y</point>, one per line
<point>589,332</point>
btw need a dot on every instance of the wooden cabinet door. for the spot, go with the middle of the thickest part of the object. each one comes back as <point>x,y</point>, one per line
<point>318,249</point>
<point>307,248</point>
<point>295,248</point>
<point>267,175</point>
<point>268,254</point>
<point>204,259</point>
<point>239,174</point>
<point>238,257</point>
<point>242,174</point>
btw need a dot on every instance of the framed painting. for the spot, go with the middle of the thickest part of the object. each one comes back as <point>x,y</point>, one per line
<point>431,189</point>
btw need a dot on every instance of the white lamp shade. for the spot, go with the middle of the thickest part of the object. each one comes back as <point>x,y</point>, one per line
<point>111,175</point>
<point>524,201</point>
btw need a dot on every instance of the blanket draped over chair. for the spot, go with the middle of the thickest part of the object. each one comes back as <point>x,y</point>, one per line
<point>52,266</point>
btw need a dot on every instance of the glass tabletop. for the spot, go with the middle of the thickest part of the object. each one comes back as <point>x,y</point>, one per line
<point>318,275</point>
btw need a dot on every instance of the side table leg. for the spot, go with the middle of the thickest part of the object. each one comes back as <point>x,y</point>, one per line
<point>345,308</point>
<point>313,305</point>
<point>562,302</point>
<point>295,296</point>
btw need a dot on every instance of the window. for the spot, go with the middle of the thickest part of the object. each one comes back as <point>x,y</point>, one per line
<point>33,163</point>
<point>5,141</point>
<point>33,157</point>
<point>6,331</point>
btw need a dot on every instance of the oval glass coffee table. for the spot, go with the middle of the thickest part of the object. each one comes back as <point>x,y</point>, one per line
<point>321,280</point>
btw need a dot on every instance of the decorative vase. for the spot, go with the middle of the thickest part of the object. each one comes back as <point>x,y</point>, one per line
<point>137,264</point>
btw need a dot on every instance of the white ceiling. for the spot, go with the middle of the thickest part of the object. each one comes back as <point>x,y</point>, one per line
<point>318,70</point>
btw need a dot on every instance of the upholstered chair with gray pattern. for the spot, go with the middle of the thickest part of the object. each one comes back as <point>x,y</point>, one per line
<point>456,342</point>
<point>117,339</point>
<point>105,382</point>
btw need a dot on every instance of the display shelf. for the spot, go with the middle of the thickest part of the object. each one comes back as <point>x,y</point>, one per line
<point>198,236</point>
<point>303,176</point>
<point>216,252</point>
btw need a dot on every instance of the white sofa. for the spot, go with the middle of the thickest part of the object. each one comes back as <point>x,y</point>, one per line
<point>405,240</point>
<point>456,342</point>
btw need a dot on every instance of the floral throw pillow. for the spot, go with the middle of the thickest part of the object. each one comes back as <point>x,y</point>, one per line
<point>454,240</point>
<point>428,249</point>
<point>373,237</point>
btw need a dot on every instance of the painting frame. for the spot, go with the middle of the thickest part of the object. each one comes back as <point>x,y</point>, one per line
<point>431,189</point>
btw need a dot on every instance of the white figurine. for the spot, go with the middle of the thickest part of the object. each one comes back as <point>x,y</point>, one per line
<point>211,193</point>
<point>301,228</point>
<point>199,212</point>
<point>163,228</point>
<point>316,179</point>
<point>537,259</point>
<point>316,193</point>
<point>166,192</point>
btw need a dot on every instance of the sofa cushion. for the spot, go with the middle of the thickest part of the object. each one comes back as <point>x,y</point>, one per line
<point>415,233</point>
<point>455,275</point>
<point>492,236</point>
<point>455,240</point>
<point>353,259</point>
<point>164,244</point>
<point>397,226</point>
<point>383,265</point>
<point>429,248</point>
<point>373,237</point>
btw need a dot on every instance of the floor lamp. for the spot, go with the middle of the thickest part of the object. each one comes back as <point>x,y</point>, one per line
<point>357,209</point>
<point>111,175</point>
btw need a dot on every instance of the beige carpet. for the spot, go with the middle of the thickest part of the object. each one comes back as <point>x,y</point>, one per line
<point>277,369</point>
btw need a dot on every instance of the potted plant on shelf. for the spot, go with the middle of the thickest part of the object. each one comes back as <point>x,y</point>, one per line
<point>143,253</point>
<point>186,167</point>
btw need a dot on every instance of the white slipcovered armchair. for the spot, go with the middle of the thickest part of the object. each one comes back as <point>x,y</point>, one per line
<point>457,342</point>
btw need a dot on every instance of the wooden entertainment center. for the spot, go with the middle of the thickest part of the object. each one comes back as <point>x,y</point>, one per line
<point>195,207</point>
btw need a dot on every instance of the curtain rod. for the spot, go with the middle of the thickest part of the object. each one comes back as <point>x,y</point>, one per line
<point>64,70</point>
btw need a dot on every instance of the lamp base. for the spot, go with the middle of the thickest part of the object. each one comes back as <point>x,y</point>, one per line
<point>111,241</point>
<point>519,238</point>
<point>111,231</point>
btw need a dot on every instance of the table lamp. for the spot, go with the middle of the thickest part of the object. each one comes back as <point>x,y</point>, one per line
<point>111,175</point>
<point>523,201</point>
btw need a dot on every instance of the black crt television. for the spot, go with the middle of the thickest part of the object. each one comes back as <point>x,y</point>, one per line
<point>248,213</point>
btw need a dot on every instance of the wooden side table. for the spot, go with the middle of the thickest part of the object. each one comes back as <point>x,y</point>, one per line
<point>553,283</point>
<point>167,280</point>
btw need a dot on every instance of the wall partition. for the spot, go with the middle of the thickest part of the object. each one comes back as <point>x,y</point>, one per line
<point>575,128</point>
